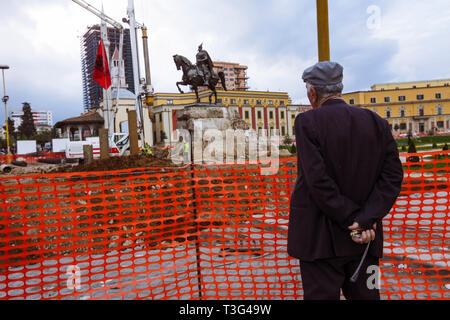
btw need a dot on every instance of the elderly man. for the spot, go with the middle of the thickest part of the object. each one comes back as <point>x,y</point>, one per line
<point>349,176</point>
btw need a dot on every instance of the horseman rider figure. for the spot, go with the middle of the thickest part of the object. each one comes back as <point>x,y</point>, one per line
<point>204,64</point>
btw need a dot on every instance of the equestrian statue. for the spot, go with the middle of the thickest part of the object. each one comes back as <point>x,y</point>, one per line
<point>200,75</point>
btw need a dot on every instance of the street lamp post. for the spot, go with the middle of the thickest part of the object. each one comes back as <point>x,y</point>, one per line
<point>5,100</point>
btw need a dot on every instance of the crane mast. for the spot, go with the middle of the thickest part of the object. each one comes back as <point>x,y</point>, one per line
<point>143,122</point>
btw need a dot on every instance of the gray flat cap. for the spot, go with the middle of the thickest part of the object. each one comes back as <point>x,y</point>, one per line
<point>324,73</point>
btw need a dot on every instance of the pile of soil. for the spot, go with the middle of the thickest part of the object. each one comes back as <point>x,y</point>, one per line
<point>119,163</point>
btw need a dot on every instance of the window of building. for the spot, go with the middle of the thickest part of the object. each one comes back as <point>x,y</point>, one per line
<point>402,112</point>
<point>247,115</point>
<point>352,101</point>
<point>271,115</point>
<point>421,111</point>
<point>281,103</point>
<point>233,101</point>
<point>373,100</point>
<point>401,98</point>
<point>259,115</point>
<point>402,126</point>
<point>293,116</point>
<point>270,102</point>
<point>246,101</point>
<point>387,99</point>
<point>420,97</point>
<point>282,114</point>
<point>170,102</point>
<point>388,113</point>
<point>438,96</point>
<point>219,100</point>
<point>258,101</point>
<point>439,110</point>
<point>440,124</point>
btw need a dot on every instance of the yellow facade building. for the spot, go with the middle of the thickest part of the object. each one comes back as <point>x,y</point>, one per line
<point>265,112</point>
<point>419,107</point>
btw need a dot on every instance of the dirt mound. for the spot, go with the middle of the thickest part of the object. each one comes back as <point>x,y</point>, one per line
<point>118,163</point>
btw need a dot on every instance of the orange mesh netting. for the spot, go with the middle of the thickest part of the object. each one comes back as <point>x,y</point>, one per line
<point>208,232</point>
<point>32,158</point>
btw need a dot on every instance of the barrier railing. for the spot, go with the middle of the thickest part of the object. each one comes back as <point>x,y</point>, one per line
<point>207,232</point>
<point>33,158</point>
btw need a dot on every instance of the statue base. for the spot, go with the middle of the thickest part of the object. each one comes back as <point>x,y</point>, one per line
<point>216,132</point>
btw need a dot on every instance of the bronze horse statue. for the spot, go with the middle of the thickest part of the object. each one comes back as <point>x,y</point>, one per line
<point>194,78</point>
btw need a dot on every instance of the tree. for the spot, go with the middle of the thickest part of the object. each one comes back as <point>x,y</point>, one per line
<point>27,128</point>
<point>43,137</point>
<point>412,147</point>
<point>287,141</point>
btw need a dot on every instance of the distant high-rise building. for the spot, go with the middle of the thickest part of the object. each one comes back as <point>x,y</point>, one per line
<point>43,120</point>
<point>235,75</point>
<point>92,92</point>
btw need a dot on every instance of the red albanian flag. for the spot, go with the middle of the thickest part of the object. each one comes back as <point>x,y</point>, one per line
<point>101,70</point>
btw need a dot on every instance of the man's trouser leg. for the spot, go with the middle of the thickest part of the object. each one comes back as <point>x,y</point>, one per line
<point>323,279</point>
<point>365,288</point>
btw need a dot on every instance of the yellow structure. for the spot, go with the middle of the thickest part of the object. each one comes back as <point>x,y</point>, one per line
<point>419,107</point>
<point>263,111</point>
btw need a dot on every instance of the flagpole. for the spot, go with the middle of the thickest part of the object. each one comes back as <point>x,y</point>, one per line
<point>106,98</point>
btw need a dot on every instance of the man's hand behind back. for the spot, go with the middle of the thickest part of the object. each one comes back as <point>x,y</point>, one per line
<point>366,235</point>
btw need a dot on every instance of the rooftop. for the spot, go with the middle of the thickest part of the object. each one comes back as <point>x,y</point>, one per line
<point>92,116</point>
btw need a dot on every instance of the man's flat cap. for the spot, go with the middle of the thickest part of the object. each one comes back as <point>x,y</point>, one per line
<point>324,73</point>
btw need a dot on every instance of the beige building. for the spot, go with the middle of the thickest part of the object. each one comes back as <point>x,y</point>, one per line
<point>235,75</point>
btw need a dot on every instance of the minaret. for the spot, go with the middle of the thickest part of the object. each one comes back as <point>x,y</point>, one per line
<point>118,80</point>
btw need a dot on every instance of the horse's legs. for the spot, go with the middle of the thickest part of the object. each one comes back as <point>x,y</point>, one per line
<point>214,92</point>
<point>178,86</point>
<point>196,93</point>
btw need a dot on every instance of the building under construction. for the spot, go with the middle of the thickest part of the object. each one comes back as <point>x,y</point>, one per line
<point>92,92</point>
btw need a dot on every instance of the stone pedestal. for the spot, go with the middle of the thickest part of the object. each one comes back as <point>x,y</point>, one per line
<point>217,134</point>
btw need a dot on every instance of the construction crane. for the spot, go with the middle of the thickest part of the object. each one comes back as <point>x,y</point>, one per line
<point>140,91</point>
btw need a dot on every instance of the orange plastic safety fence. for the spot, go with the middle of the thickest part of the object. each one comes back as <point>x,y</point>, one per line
<point>32,158</point>
<point>208,232</point>
<point>417,231</point>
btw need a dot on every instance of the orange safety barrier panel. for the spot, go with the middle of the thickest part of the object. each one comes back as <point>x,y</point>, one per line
<point>202,232</point>
<point>33,159</point>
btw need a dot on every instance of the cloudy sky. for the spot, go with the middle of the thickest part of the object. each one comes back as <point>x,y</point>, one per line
<point>376,41</point>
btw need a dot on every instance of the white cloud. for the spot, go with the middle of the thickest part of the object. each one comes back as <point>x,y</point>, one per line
<point>276,39</point>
